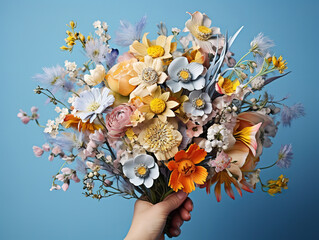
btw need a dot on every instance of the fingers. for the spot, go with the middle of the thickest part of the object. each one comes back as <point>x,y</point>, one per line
<point>172,202</point>
<point>188,205</point>
<point>185,215</point>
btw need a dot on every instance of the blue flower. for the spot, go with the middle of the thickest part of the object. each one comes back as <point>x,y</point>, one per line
<point>111,57</point>
<point>97,50</point>
<point>285,156</point>
<point>128,33</point>
<point>185,75</point>
<point>290,113</point>
<point>199,103</point>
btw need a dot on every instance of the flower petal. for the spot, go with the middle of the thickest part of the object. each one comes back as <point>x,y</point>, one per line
<point>176,65</point>
<point>195,69</point>
<point>174,181</point>
<point>148,182</point>
<point>199,83</point>
<point>200,175</point>
<point>188,184</point>
<point>137,181</point>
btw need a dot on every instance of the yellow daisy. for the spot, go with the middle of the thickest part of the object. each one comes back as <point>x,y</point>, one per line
<point>158,104</point>
<point>160,48</point>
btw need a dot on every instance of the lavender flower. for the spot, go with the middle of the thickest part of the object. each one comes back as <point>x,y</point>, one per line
<point>97,50</point>
<point>111,57</point>
<point>290,113</point>
<point>285,156</point>
<point>54,77</point>
<point>128,33</point>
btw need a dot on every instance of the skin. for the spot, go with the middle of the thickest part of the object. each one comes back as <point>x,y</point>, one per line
<point>149,219</point>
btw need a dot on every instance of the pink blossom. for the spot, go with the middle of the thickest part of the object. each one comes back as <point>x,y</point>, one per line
<point>107,182</point>
<point>65,186</point>
<point>193,130</point>
<point>46,147</point>
<point>55,187</point>
<point>34,109</point>
<point>91,146</point>
<point>221,162</point>
<point>119,120</point>
<point>56,150</point>
<point>25,119</point>
<point>97,136</point>
<point>51,157</point>
<point>126,56</point>
<point>37,151</point>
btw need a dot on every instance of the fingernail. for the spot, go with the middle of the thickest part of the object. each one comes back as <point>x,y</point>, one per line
<point>176,232</point>
<point>181,194</point>
<point>179,224</point>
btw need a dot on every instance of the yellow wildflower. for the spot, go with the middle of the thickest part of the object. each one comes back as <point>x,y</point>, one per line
<point>275,186</point>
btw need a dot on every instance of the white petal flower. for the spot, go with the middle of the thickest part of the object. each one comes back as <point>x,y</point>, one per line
<point>141,169</point>
<point>92,102</point>
<point>97,24</point>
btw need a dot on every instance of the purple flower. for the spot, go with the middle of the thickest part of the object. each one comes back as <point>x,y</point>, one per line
<point>285,156</point>
<point>111,57</point>
<point>290,113</point>
<point>128,33</point>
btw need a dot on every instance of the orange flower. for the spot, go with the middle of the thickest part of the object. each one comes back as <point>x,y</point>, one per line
<point>185,172</point>
<point>76,123</point>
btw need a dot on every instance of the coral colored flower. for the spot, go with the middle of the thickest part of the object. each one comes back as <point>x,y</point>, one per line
<point>193,130</point>
<point>119,120</point>
<point>184,169</point>
<point>119,75</point>
<point>76,123</point>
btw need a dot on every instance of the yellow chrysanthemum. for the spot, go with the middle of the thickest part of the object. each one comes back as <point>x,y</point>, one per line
<point>160,138</point>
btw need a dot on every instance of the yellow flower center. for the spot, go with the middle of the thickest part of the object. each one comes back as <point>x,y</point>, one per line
<point>203,33</point>
<point>141,170</point>
<point>93,106</point>
<point>204,29</point>
<point>184,74</point>
<point>157,105</point>
<point>155,51</point>
<point>159,137</point>
<point>186,167</point>
<point>199,102</point>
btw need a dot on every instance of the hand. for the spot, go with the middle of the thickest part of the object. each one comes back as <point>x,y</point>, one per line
<point>149,219</point>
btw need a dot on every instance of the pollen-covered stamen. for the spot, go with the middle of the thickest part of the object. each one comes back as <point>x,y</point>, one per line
<point>186,167</point>
<point>160,136</point>
<point>203,33</point>
<point>155,51</point>
<point>93,106</point>
<point>198,103</point>
<point>141,170</point>
<point>184,75</point>
<point>149,76</point>
<point>157,105</point>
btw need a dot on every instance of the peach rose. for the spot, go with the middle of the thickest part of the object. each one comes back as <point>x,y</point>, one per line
<point>119,75</point>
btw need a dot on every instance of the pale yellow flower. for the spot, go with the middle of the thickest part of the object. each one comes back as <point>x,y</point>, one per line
<point>150,73</point>
<point>159,48</point>
<point>160,138</point>
<point>158,104</point>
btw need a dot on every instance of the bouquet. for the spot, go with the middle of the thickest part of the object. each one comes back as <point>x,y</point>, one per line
<point>170,114</point>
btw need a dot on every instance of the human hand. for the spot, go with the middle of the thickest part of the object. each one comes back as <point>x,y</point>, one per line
<point>149,219</point>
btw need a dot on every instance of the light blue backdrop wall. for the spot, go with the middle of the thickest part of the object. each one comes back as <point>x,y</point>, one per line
<point>31,34</point>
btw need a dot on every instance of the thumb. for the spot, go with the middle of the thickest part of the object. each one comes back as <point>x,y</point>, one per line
<point>172,202</point>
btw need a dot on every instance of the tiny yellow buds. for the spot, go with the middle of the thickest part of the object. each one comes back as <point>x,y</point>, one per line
<point>82,38</point>
<point>89,38</point>
<point>72,24</point>
<point>71,43</point>
<point>64,48</point>
<point>68,32</point>
<point>274,61</point>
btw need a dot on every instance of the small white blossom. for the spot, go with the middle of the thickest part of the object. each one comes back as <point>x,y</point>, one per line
<point>257,83</point>
<point>71,99</point>
<point>70,66</point>
<point>176,30</point>
<point>218,136</point>
<point>254,177</point>
<point>57,109</point>
<point>97,24</point>
<point>100,155</point>
<point>99,32</point>
<point>105,26</point>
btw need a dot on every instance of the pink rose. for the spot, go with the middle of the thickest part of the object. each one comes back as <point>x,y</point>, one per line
<point>119,120</point>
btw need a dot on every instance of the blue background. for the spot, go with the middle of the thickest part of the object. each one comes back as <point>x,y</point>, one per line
<point>31,34</point>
